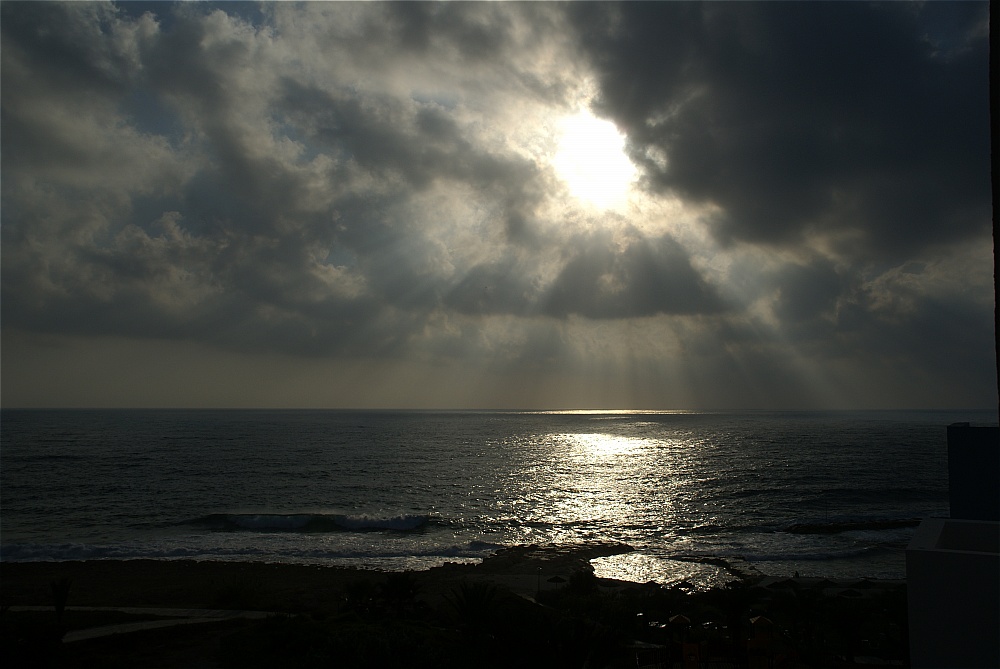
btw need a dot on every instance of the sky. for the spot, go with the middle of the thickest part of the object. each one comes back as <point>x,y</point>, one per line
<point>661,205</point>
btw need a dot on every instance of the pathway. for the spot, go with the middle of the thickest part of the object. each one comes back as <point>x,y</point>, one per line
<point>179,617</point>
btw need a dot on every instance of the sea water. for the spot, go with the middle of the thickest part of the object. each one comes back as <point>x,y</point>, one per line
<point>826,494</point>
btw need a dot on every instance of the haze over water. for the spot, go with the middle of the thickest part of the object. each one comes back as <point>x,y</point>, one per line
<point>824,493</point>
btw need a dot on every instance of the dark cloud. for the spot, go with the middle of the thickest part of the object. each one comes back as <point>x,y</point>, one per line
<point>599,277</point>
<point>801,117</point>
<point>646,277</point>
<point>416,25</point>
<point>83,48</point>
<point>807,291</point>
<point>503,287</point>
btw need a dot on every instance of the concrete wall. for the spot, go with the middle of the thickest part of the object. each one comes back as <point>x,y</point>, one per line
<point>953,590</point>
<point>974,471</point>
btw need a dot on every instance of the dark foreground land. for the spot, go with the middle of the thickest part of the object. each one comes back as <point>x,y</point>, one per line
<point>525,607</point>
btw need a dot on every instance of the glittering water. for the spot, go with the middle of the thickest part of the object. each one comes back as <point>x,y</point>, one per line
<point>820,493</point>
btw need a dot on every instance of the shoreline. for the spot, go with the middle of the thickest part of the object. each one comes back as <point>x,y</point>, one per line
<point>546,598</point>
<point>288,587</point>
<point>186,583</point>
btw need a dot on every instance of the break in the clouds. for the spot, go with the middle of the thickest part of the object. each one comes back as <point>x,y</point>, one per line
<point>361,204</point>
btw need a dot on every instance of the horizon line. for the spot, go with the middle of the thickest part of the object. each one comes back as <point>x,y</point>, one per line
<point>540,411</point>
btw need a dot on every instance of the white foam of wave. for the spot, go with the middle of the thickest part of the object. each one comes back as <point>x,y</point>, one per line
<point>380,556</point>
<point>399,522</point>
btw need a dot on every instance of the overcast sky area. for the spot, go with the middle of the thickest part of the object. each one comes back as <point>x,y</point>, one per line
<point>389,205</point>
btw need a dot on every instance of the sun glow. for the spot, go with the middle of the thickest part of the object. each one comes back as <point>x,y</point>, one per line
<point>591,160</point>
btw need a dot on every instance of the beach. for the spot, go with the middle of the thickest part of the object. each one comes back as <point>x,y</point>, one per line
<point>287,588</point>
<point>524,606</point>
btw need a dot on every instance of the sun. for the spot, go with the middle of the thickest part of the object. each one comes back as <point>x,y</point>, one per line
<point>591,160</point>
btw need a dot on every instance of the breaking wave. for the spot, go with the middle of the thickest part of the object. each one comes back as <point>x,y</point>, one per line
<point>309,522</point>
<point>836,527</point>
<point>371,556</point>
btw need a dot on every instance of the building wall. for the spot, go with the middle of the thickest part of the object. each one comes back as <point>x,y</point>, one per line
<point>974,471</point>
<point>953,590</point>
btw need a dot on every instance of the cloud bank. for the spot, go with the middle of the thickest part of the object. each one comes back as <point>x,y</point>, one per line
<point>355,205</point>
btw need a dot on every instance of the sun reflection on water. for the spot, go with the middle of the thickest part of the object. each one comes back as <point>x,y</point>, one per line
<point>612,481</point>
<point>595,481</point>
<point>641,568</point>
<point>596,446</point>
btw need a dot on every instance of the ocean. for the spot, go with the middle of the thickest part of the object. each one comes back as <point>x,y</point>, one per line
<point>831,494</point>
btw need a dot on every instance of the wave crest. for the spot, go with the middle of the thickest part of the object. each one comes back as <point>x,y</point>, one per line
<point>310,522</point>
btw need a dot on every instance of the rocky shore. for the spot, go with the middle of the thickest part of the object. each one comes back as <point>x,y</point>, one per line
<point>525,606</point>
